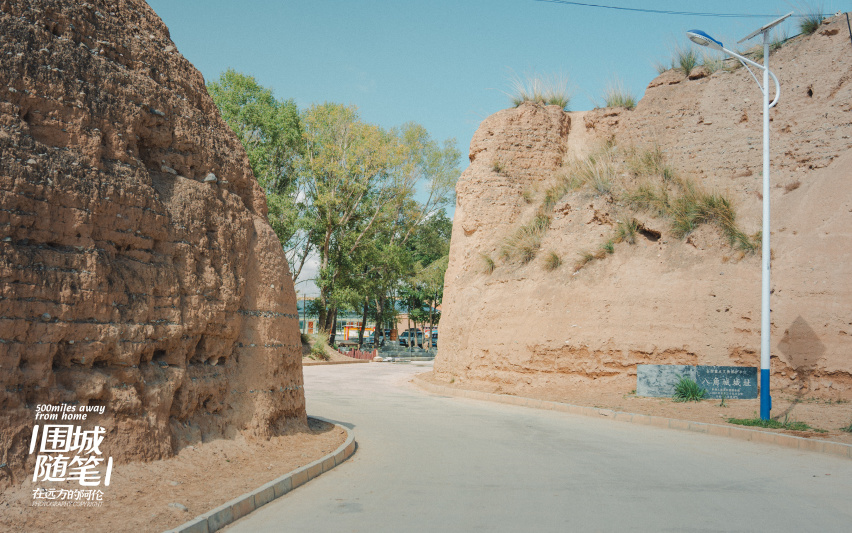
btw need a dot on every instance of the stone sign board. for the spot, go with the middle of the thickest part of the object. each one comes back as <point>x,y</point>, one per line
<point>730,382</point>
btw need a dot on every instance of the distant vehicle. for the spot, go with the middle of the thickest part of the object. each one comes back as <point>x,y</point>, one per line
<point>415,337</point>
<point>371,340</point>
<point>434,339</point>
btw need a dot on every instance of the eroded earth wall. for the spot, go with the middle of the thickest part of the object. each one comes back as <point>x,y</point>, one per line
<point>663,300</point>
<point>137,268</point>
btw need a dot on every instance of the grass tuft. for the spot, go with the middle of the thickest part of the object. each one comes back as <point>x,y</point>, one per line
<point>685,58</point>
<point>809,23</point>
<point>847,429</point>
<point>523,245</point>
<point>598,171</point>
<point>616,95</point>
<point>585,259</point>
<point>771,424</point>
<point>552,261</point>
<point>712,61</point>
<point>547,90</point>
<point>688,390</point>
<point>487,263</point>
<point>626,231</point>
<point>497,166</point>
<point>792,186</point>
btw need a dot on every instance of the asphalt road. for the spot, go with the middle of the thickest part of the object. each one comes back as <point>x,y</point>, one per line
<point>432,463</point>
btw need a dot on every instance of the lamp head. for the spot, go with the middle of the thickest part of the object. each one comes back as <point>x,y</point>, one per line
<point>699,37</point>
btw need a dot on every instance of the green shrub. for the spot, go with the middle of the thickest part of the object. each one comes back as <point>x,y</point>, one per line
<point>688,390</point>
<point>847,429</point>
<point>318,349</point>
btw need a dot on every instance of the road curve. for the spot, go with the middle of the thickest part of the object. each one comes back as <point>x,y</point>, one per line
<point>432,463</point>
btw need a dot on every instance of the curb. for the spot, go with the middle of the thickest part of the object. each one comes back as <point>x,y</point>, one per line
<point>240,506</point>
<point>765,437</point>
<point>318,363</point>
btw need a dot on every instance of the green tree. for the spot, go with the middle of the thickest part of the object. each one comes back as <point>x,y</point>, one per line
<point>270,131</point>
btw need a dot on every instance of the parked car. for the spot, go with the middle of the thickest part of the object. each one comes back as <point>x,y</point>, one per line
<point>417,338</point>
<point>371,339</point>
<point>434,339</point>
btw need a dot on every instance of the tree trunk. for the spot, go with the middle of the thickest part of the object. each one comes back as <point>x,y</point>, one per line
<point>379,321</point>
<point>364,324</point>
<point>333,328</point>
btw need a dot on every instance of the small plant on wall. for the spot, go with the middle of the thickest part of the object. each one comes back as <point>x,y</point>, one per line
<point>688,390</point>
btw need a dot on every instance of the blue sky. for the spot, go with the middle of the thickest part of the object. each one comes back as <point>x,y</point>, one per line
<point>443,63</point>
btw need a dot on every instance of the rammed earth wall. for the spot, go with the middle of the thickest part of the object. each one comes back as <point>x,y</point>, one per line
<point>137,269</point>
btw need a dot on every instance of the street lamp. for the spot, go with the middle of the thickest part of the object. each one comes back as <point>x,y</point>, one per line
<point>701,38</point>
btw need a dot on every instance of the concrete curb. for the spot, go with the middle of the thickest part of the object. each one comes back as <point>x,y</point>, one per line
<point>317,363</point>
<point>766,437</point>
<point>240,506</point>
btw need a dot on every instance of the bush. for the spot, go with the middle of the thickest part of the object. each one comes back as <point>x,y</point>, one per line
<point>318,349</point>
<point>687,390</point>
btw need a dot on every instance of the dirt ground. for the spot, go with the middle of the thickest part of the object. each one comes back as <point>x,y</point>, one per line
<point>825,416</point>
<point>199,478</point>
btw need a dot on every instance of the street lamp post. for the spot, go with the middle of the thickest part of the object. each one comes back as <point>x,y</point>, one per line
<point>701,38</point>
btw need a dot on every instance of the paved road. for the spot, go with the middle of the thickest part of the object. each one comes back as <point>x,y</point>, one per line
<point>432,463</point>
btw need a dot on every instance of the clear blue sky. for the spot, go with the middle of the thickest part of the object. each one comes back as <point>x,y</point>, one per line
<point>442,63</point>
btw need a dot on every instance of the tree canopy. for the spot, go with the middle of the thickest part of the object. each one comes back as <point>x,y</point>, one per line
<point>368,203</point>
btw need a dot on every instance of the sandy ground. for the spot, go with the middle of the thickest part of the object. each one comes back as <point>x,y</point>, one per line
<point>199,478</point>
<point>824,415</point>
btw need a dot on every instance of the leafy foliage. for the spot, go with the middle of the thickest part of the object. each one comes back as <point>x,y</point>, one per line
<point>687,390</point>
<point>270,131</point>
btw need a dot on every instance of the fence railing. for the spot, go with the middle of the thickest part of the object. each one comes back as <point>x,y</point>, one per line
<point>359,354</point>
